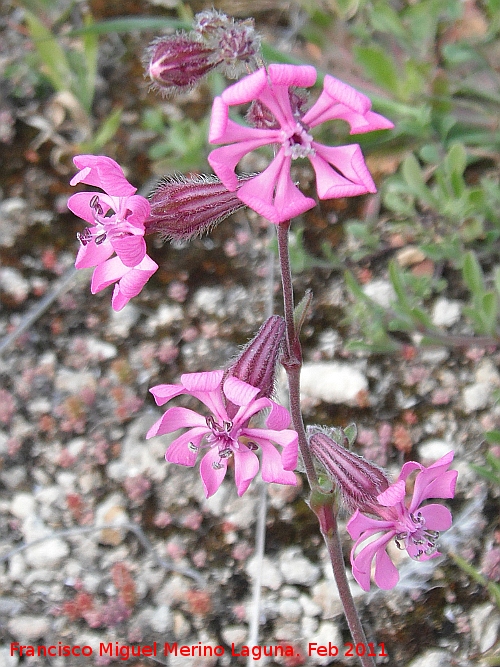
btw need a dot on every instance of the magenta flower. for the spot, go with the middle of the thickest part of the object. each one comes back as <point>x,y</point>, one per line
<point>117,218</point>
<point>223,437</point>
<point>340,170</point>
<point>413,526</point>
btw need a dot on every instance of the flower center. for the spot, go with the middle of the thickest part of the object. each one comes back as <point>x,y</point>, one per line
<point>297,143</point>
<point>417,539</point>
<point>221,437</point>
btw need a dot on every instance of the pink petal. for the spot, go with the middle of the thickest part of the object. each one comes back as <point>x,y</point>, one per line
<point>172,420</point>
<point>202,382</point>
<point>393,495</point>
<point>139,208</point>
<point>361,564</point>
<point>348,178</point>
<point>437,517</point>
<point>180,452</point>
<point>279,417</point>
<point>238,392</point>
<point>132,282</point>
<point>224,160</point>
<point>303,76</point>
<point>103,172</point>
<point>164,392</point>
<point>130,249</point>
<point>79,204</point>
<point>386,575</point>
<point>272,193</point>
<point>246,466</point>
<point>218,121</point>
<point>107,273</point>
<point>212,477</point>
<point>272,469</point>
<point>247,89</point>
<point>359,523</point>
<point>93,254</point>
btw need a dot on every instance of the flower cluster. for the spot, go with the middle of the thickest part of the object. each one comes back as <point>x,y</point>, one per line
<point>224,437</point>
<point>414,526</point>
<point>340,170</point>
<point>117,226</point>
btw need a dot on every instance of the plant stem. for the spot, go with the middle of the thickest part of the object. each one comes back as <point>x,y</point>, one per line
<point>321,503</point>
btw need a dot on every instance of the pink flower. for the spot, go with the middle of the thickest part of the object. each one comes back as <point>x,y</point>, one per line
<point>340,170</point>
<point>413,526</point>
<point>224,437</point>
<point>117,218</point>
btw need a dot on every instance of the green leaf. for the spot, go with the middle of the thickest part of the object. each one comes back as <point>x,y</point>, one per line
<point>301,310</point>
<point>52,55</point>
<point>379,66</point>
<point>415,179</point>
<point>130,24</point>
<point>473,275</point>
<point>489,312</point>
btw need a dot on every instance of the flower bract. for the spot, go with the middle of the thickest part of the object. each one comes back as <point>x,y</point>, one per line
<point>414,526</point>
<point>340,170</point>
<point>116,218</point>
<point>222,437</point>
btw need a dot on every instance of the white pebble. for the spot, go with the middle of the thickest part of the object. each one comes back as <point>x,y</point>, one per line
<point>333,382</point>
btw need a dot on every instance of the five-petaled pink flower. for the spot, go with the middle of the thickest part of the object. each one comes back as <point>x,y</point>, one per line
<point>117,218</point>
<point>222,436</point>
<point>340,170</point>
<point>413,526</point>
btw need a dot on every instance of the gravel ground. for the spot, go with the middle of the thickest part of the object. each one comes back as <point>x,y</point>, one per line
<point>126,549</point>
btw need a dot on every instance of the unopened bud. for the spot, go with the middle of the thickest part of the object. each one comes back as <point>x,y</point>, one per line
<point>258,361</point>
<point>184,207</point>
<point>236,43</point>
<point>359,480</point>
<point>176,63</point>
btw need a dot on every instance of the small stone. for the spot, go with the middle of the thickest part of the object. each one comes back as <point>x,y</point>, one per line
<point>328,632</point>
<point>181,627</point>
<point>485,623</point>
<point>100,350</point>
<point>48,554</point>
<point>235,634</point>
<point>112,511</point>
<point>28,628</point>
<point>476,396</point>
<point>432,658</point>
<point>6,659</point>
<point>121,321</point>
<point>139,456</point>
<point>161,619</point>
<point>380,291</point>
<point>333,382</point>
<point>13,283</point>
<point>73,381</point>
<point>22,505</point>
<point>446,313</point>
<point>432,450</point>
<point>290,610</point>
<point>409,256</point>
<point>296,569</point>
<point>271,576</point>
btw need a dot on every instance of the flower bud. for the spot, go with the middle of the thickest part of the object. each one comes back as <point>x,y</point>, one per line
<point>257,362</point>
<point>184,207</point>
<point>176,63</point>
<point>359,480</point>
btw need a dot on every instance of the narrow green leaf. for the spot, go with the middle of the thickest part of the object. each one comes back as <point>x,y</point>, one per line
<point>473,275</point>
<point>130,24</point>
<point>301,310</point>
<point>51,54</point>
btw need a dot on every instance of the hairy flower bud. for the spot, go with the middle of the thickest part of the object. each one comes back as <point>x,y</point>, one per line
<point>359,480</point>
<point>176,63</point>
<point>184,207</point>
<point>257,362</point>
<point>236,43</point>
